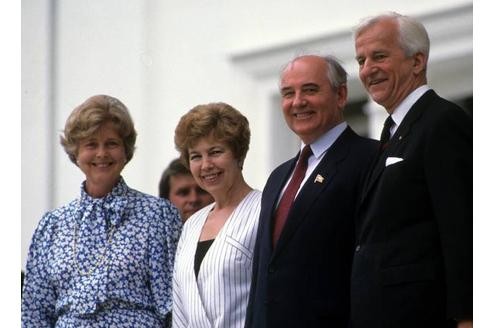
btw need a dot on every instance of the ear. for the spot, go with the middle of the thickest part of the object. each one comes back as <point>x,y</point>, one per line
<point>419,63</point>
<point>341,95</point>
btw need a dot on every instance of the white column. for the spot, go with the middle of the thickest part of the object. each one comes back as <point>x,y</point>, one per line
<point>376,116</point>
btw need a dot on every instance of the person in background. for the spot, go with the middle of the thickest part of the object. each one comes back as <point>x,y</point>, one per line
<point>413,265</point>
<point>178,185</point>
<point>106,258</point>
<point>212,272</point>
<point>304,247</point>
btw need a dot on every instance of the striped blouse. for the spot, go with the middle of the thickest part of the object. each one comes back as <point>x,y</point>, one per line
<point>218,298</point>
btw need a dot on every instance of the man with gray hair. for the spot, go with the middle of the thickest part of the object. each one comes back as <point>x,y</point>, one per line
<point>303,254</point>
<point>412,264</point>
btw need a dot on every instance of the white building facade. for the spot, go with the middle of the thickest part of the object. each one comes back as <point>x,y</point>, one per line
<point>161,58</point>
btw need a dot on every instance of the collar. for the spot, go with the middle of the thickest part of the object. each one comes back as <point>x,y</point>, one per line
<point>404,107</point>
<point>320,146</point>
<point>114,202</point>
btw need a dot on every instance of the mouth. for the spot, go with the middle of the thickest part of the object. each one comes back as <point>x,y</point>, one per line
<point>210,177</point>
<point>375,82</point>
<point>303,115</point>
<point>102,165</point>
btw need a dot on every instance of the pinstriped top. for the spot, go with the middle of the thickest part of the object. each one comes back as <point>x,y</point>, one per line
<point>218,298</point>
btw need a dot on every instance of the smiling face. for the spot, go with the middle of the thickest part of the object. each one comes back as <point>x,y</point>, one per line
<point>186,195</point>
<point>310,105</point>
<point>102,158</point>
<point>386,72</point>
<point>214,166</point>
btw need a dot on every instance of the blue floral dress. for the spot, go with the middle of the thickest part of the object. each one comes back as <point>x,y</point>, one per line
<point>102,262</point>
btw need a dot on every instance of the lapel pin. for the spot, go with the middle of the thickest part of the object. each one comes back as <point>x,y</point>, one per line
<point>319,179</point>
<point>400,137</point>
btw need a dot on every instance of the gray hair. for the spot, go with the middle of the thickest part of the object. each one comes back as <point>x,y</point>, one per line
<point>413,37</point>
<point>337,75</point>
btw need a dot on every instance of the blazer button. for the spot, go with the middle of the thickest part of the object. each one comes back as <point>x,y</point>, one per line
<point>358,247</point>
<point>271,270</point>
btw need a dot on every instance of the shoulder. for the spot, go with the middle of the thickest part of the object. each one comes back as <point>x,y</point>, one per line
<point>152,209</point>
<point>59,214</point>
<point>363,144</point>
<point>55,220</point>
<point>440,109</point>
<point>198,216</point>
<point>445,118</point>
<point>253,197</point>
<point>283,168</point>
<point>140,199</point>
<point>359,141</point>
<point>358,147</point>
<point>252,203</point>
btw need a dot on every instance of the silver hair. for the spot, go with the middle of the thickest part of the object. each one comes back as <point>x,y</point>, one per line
<point>337,75</point>
<point>413,37</point>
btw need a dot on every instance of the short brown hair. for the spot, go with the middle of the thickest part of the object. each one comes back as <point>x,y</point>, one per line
<point>88,117</point>
<point>223,121</point>
<point>176,167</point>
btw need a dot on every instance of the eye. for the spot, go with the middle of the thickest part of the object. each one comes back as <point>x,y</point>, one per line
<point>360,61</point>
<point>311,89</point>
<point>216,152</point>
<point>287,93</point>
<point>379,56</point>
<point>113,143</point>
<point>89,144</point>
<point>193,157</point>
<point>182,192</point>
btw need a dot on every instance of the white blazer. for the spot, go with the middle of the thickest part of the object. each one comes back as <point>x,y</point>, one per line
<point>219,297</point>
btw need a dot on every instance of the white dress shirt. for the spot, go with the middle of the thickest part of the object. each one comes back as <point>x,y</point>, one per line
<point>319,149</point>
<point>404,107</point>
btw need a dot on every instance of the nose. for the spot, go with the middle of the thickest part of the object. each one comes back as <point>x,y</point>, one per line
<point>206,163</point>
<point>366,68</point>
<point>193,197</point>
<point>299,100</point>
<point>101,151</point>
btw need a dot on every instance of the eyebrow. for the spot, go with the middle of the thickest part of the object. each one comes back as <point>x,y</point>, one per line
<point>305,85</point>
<point>311,84</point>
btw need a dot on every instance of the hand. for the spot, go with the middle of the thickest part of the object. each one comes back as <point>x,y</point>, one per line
<point>465,324</point>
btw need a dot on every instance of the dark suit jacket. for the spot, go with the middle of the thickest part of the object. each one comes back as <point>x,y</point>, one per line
<point>413,260</point>
<point>304,281</point>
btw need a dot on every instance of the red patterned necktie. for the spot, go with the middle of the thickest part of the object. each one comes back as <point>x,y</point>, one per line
<point>290,193</point>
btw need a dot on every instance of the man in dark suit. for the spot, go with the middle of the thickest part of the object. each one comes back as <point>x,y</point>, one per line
<point>301,268</point>
<point>412,265</point>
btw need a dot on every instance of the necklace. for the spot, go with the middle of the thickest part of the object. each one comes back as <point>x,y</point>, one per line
<point>101,259</point>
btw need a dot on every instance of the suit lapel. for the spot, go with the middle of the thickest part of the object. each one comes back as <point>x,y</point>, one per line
<point>269,202</point>
<point>283,175</point>
<point>313,186</point>
<point>399,137</point>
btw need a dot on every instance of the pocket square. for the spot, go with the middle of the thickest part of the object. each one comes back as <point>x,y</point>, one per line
<point>392,160</point>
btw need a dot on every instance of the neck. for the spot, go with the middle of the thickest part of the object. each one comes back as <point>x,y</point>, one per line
<point>98,190</point>
<point>232,197</point>
<point>414,85</point>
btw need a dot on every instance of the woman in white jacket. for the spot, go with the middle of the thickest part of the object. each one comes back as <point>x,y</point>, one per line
<point>212,272</point>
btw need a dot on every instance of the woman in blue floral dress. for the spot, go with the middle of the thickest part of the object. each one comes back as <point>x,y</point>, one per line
<point>106,258</point>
